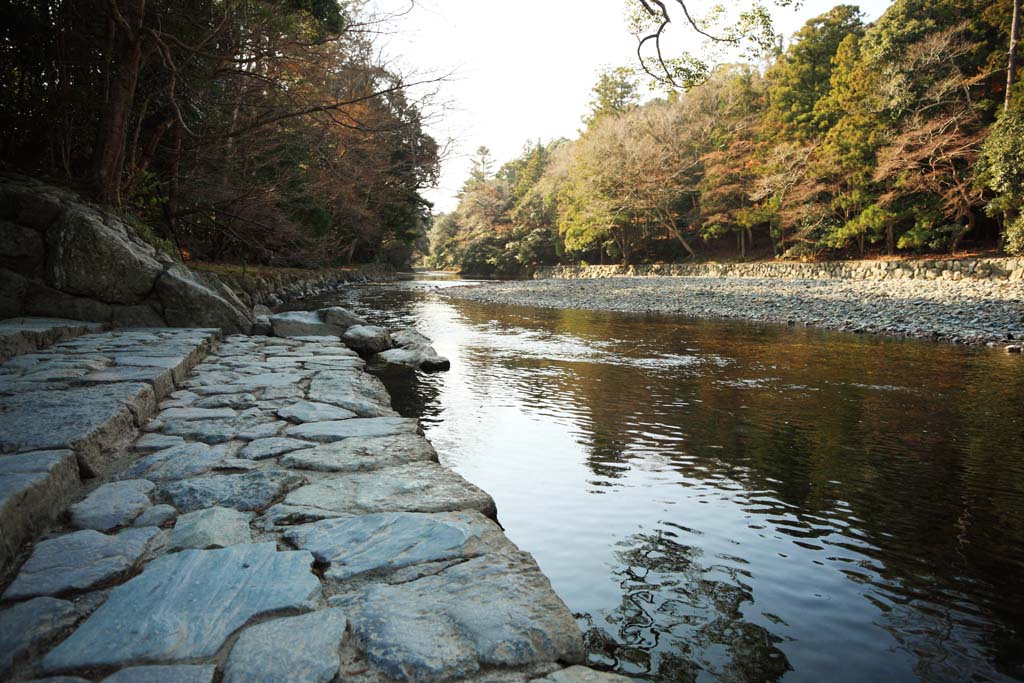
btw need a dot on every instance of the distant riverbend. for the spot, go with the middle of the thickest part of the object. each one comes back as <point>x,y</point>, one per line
<point>964,311</point>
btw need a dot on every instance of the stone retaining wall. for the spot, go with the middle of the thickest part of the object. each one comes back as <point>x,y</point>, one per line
<point>938,269</point>
<point>273,288</point>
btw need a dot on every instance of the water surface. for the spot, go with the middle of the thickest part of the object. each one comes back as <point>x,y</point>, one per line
<point>724,501</point>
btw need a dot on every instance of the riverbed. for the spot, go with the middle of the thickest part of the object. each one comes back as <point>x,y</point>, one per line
<point>736,501</point>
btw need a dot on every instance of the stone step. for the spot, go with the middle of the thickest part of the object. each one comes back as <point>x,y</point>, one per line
<point>66,409</point>
<point>25,335</point>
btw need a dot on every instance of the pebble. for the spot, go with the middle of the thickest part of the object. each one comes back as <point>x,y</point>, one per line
<point>964,311</point>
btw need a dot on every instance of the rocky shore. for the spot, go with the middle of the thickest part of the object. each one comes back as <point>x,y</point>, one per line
<point>249,509</point>
<point>966,311</point>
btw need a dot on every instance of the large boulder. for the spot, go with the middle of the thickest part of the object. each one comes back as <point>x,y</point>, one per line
<point>97,257</point>
<point>413,350</point>
<point>342,317</point>
<point>193,299</point>
<point>367,339</point>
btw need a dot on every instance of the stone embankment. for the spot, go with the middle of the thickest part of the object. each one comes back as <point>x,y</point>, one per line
<point>1010,269</point>
<point>968,310</point>
<point>276,521</point>
<point>273,287</point>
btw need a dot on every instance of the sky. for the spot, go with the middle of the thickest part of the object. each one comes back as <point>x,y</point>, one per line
<point>518,71</point>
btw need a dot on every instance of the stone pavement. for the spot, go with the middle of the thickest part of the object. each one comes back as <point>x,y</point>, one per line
<point>277,521</point>
<point>66,410</point>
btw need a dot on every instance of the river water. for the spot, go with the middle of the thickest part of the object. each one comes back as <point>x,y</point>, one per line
<point>725,501</point>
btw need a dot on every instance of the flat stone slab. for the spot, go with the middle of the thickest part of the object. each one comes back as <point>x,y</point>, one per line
<point>177,462</point>
<point>393,540</point>
<point>303,649</point>
<point>214,527</point>
<point>30,624</point>
<point>34,489</point>
<point>353,390</point>
<point>189,603</point>
<point>250,491</point>
<point>421,487</point>
<point>88,420</point>
<point>311,411</point>
<point>493,610</point>
<point>248,425</point>
<point>181,673</point>
<point>156,442</point>
<point>270,379</point>
<point>196,413</point>
<point>363,427</point>
<point>78,561</point>
<point>272,447</point>
<point>155,516</point>
<point>355,455</point>
<point>112,505</point>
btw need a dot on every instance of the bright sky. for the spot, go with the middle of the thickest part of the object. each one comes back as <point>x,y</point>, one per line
<point>522,70</point>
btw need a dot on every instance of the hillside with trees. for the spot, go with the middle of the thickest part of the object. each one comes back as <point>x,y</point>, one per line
<point>895,137</point>
<point>260,131</point>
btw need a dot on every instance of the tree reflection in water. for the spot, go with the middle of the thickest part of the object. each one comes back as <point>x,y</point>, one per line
<point>682,620</point>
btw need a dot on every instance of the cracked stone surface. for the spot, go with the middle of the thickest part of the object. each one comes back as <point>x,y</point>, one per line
<point>389,541</point>
<point>301,649</point>
<point>112,505</point>
<point>359,392</point>
<point>420,487</point>
<point>78,561</point>
<point>272,447</point>
<point>495,610</point>
<point>311,411</point>
<point>214,527</point>
<point>336,430</point>
<point>29,624</point>
<point>35,487</point>
<point>250,491</point>
<point>177,462</point>
<point>192,601</point>
<point>353,455</point>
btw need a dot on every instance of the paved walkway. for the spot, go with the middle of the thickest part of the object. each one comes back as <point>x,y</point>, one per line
<point>276,521</point>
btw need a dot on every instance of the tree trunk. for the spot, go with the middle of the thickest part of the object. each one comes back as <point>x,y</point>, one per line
<point>971,220</point>
<point>1011,66</point>
<point>890,239</point>
<point>125,63</point>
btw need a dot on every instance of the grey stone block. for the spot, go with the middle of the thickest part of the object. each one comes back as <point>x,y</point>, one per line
<point>497,610</point>
<point>354,455</point>
<point>365,427</point>
<point>28,625</point>
<point>214,527</point>
<point>393,540</point>
<point>192,602</point>
<point>34,489</point>
<point>112,505</point>
<point>78,561</point>
<point>303,649</point>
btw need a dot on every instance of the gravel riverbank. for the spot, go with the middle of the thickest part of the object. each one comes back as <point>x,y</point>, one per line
<point>964,312</point>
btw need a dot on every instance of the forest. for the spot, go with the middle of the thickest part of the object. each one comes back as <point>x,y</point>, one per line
<point>898,137</point>
<point>246,131</point>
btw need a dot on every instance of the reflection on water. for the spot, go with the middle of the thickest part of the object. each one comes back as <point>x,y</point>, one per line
<point>739,502</point>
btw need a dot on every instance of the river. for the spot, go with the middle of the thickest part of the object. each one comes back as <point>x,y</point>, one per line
<point>727,501</point>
